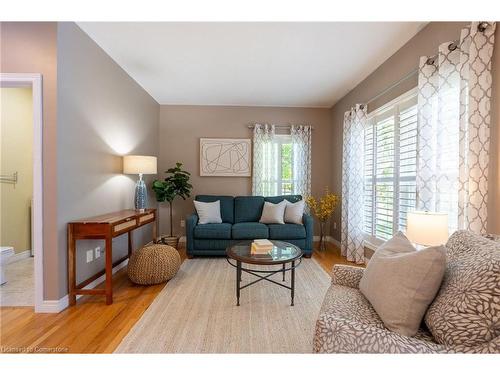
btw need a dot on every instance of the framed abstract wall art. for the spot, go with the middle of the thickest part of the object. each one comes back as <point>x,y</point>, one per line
<point>225,157</point>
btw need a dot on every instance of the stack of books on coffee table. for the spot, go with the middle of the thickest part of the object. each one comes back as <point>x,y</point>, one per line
<point>261,247</point>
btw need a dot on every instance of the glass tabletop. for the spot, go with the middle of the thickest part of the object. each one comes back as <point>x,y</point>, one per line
<point>282,252</point>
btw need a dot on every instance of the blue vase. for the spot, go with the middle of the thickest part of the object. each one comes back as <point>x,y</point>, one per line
<point>141,194</point>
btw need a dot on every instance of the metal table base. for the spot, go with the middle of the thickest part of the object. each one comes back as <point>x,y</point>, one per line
<point>267,274</point>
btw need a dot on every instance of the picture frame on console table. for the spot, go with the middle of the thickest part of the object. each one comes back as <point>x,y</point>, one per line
<point>225,157</point>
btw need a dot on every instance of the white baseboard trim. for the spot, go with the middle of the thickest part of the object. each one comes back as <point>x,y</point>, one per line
<point>328,239</point>
<point>19,256</point>
<point>334,241</point>
<point>56,306</point>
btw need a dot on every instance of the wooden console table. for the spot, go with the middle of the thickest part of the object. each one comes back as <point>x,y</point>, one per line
<point>103,227</point>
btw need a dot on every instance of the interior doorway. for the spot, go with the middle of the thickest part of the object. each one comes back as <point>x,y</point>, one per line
<point>21,192</point>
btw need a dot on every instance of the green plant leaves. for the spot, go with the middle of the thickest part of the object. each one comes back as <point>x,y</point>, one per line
<point>175,185</point>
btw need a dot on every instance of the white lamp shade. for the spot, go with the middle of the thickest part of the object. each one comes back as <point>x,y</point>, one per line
<point>138,164</point>
<point>427,228</point>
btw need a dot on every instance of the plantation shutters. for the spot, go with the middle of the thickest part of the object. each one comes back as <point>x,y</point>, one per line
<point>390,158</point>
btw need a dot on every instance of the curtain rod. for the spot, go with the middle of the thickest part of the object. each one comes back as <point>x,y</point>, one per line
<point>277,126</point>
<point>386,90</point>
<point>481,27</point>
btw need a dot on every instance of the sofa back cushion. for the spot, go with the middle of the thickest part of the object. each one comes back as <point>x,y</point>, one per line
<point>226,205</point>
<point>466,310</point>
<point>248,208</point>
<point>279,198</point>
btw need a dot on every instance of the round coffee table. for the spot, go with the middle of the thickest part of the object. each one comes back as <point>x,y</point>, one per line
<point>281,254</point>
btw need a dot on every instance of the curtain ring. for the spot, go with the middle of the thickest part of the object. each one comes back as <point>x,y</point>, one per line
<point>452,46</point>
<point>482,26</point>
<point>431,61</point>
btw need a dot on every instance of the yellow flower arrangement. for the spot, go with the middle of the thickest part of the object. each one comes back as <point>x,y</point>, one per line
<point>324,208</point>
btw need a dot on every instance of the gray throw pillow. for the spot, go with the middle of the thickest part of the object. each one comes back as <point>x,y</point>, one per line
<point>294,212</point>
<point>208,212</point>
<point>273,213</point>
<point>401,282</point>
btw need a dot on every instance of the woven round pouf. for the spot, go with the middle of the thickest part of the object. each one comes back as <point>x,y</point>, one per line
<point>153,264</point>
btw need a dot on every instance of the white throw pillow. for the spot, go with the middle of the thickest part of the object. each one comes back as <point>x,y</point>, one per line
<point>208,212</point>
<point>294,212</point>
<point>273,213</point>
<point>401,282</point>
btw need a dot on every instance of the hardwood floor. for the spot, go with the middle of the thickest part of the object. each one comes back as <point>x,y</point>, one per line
<point>92,326</point>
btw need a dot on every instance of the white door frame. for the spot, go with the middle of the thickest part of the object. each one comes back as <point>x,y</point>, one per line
<point>34,80</point>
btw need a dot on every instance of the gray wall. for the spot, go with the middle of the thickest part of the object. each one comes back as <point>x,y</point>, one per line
<point>102,114</point>
<point>396,67</point>
<point>31,47</point>
<point>181,128</point>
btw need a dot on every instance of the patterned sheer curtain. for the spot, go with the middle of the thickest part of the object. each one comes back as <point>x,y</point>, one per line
<point>301,168</point>
<point>355,122</point>
<point>454,126</point>
<point>265,160</point>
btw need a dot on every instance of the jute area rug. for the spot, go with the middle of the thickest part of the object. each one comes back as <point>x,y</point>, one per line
<point>196,312</point>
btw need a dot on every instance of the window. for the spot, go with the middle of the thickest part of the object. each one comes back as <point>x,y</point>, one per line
<point>281,182</point>
<point>390,147</point>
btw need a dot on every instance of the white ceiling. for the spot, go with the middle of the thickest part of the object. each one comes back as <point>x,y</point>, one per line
<point>251,64</point>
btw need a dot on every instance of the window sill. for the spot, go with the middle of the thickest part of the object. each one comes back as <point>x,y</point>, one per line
<point>371,242</point>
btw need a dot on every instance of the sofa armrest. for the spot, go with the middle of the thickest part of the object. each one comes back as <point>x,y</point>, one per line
<point>345,275</point>
<point>308,222</point>
<point>191,222</point>
<point>337,335</point>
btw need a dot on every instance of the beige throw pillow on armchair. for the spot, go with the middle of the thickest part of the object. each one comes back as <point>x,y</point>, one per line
<point>401,282</point>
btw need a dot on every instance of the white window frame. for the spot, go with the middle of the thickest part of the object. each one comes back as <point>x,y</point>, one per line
<point>370,240</point>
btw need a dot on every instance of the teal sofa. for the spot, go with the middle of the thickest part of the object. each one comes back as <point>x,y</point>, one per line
<point>240,221</point>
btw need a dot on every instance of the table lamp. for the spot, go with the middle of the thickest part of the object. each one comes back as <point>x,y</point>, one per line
<point>139,164</point>
<point>427,228</point>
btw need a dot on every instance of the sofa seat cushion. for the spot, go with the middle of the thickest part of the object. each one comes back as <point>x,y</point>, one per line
<point>466,310</point>
<point>213,231</point>
<point>286,231</point>
<point>249,231</point>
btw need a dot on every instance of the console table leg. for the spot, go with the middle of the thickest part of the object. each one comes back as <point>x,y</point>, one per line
<point>109,271</point>
<point>155,229</point>
<point>71,266</point>
<point>130,241</point>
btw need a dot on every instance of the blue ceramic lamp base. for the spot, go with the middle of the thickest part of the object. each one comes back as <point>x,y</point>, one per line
<point>141,194</point>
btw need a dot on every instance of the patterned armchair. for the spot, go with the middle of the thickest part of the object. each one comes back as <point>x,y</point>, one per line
<point>347,322</point>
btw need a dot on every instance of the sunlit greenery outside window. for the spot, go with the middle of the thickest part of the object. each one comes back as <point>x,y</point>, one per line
<point>390,166</point>
<point>283,181</point>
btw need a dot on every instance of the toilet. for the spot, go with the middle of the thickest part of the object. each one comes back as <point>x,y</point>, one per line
<point>5,253</point>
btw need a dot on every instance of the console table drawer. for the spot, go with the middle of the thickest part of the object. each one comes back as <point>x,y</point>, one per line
<point>124,226</point>
<point>146,218</point>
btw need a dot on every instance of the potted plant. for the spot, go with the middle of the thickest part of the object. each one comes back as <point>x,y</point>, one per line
<point>323,209</point>
<point>175,185</point>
